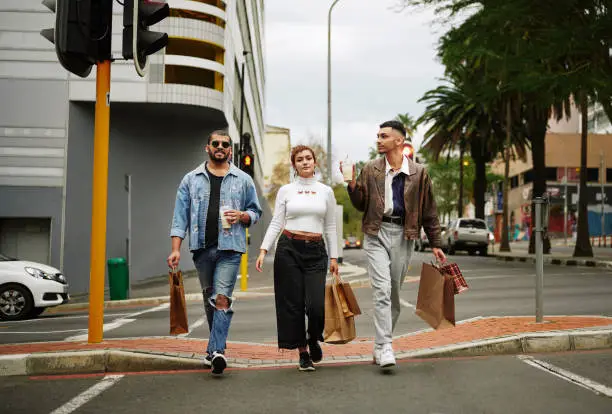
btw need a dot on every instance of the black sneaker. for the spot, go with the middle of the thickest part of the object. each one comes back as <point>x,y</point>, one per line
<point>218,363</point>
<point>306,362</point>
<point>207,361</point>
<point>316,353</point>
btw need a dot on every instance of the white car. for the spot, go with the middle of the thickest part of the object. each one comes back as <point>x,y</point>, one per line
<point>27,288</point>
<point>471,235</point>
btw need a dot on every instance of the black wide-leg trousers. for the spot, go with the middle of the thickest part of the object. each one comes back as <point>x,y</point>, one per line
<point>300,268</point>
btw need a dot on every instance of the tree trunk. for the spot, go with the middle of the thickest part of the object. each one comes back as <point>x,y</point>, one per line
<point>460,201</point>
<point>480,177</point>
<point>583,244</point>
<point>505,241</point>
<point>537,123</point>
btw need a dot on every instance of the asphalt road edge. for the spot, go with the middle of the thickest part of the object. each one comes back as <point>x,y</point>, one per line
<point>118,360</point>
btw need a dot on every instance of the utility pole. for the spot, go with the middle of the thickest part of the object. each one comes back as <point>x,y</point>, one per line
<point>329,107</point>
<point>565,207</point>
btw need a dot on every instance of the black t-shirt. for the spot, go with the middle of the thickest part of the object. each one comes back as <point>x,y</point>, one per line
<point>212,217</point>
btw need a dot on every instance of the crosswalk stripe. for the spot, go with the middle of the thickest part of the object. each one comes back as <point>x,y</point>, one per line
<point>567,375</point>
<point>87,395</point>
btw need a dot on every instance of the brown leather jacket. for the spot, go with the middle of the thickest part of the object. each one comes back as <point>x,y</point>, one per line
<point>369,196</point>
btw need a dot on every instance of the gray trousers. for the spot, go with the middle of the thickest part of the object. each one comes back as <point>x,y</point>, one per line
<point>389,255</point>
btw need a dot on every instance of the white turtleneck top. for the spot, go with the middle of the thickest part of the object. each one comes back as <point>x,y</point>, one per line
<point>305,205</point>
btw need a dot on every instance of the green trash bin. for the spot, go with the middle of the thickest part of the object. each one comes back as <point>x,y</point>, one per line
<point>118,278</point>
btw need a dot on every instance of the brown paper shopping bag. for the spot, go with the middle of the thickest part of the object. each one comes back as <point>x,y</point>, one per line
<point>349,296</point>
<point>339,329</point>
<point>178,310</point>
<point>436,298</point>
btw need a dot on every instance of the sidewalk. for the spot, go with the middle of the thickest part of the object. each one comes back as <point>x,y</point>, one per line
<point>559,254</point>
<point>480,336</point>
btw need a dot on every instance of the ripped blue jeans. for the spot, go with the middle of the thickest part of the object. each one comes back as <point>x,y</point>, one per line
<point>217,271</point>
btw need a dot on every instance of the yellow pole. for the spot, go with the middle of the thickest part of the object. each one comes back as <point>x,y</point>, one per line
<point>244,266</point>
<point>99,202</point>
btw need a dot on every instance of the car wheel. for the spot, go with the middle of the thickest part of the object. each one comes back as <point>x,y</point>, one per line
<point>471,252</point>
<point>484,252</point>
<point>451,249</point>
<point>36,312</point>
<point>16,302</point>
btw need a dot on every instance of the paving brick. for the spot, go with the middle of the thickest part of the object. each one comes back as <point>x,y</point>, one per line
<point>486,328</point>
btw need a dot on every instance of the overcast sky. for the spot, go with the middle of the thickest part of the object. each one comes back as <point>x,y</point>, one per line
<point>382,63</point>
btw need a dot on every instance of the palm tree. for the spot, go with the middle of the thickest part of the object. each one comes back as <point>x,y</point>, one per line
<point>408,122</point>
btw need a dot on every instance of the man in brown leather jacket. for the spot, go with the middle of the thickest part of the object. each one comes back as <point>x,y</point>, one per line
<point>396,197</point>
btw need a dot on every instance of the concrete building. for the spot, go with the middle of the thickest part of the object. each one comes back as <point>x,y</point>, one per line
<point>563,160</point>
<point>598,122</point>
<point>159,126</point>
<point>277,148</point>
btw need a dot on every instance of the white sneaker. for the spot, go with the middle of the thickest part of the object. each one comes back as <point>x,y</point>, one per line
<point>376,354</point>
<point>387,357</point>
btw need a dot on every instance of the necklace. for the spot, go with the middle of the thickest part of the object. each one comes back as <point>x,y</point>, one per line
<point>304,185</point>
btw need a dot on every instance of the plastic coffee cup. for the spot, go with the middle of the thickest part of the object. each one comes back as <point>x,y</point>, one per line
<point>224,222</point>
<point>347,170</point>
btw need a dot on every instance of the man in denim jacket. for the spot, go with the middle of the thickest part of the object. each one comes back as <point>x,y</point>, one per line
<point>216,250</point>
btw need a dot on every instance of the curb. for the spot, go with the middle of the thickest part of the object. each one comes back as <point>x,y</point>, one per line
<point>157,300</point>
<point>117,360</point>
<point>556,261</point>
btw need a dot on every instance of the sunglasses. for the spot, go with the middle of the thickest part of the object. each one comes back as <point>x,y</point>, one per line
<point>217,144</point>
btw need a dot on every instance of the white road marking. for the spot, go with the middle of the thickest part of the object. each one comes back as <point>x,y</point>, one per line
<point>58,318</point>
<point>87,395</point>
<point>41,332</point>
<point>567,375</point>
<point>407,304</point>
<point>119,322</point>
<point>193,326</point>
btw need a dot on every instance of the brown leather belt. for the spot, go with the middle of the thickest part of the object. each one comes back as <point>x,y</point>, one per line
<point>305,237</point>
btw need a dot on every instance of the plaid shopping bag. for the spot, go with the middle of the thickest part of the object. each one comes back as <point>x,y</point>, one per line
<point>453,271</point>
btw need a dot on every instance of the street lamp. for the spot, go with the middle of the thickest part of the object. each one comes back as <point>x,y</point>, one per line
<point>329,152</point>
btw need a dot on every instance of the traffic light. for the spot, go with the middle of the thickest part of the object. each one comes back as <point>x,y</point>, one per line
<point>408,150</point>
<point>246,164</point>
<point>82,33</point>
<point>138,41</point>
<point>246,155</point>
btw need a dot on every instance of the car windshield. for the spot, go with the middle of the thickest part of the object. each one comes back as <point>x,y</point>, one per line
<point>4,258</point>
<point>473,224</point>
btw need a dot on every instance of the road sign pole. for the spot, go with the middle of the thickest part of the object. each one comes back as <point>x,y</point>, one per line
<point>99,202</point>
<point>539,252</point>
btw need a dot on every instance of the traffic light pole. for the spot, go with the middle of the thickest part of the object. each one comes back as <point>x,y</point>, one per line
<point>99,202</point>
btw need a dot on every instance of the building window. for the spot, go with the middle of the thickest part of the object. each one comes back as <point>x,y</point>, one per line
<point>195,48</point>
<point>609,175</point>
<point>190,14</point>
<point>550,173</point>
<point>185,75</point>
<point>528,176</point>
<point>592,175</point>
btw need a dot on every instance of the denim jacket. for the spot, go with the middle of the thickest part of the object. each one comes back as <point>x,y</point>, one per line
<point>191,207</point>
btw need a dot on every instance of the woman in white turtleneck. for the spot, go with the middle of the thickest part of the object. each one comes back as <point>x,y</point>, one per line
<point>305,213</point>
